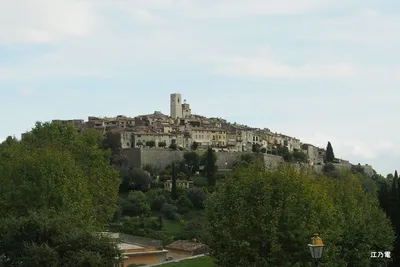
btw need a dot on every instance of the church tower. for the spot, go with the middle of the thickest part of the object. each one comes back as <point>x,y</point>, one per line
<point>176,106</point>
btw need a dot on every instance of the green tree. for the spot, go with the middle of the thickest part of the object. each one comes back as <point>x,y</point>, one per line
<point>194,145</point>
<point>263,150</point>
<point>151,143</point>
<point>209,160</point>
<point>173,146</point>
<point>255,148</point>
<point>169,211</point>
<point>184,204</point>
<point>192,161</point>
<point>275,213</point>
<point>330,156</point>
<point>197,197</point>
<point>174,194</point>
<point>53,238</point>
<point>112,141</point>
<point>136,204</point>
<point>283,151</point>
<point>299,156</point>
<point>162,144</point>
<point>139,143</point>
<point>55,167</point>
<point>244,160</point>
<point>200,181</point>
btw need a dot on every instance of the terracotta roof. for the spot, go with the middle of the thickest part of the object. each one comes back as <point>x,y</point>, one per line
<point>185,245</point>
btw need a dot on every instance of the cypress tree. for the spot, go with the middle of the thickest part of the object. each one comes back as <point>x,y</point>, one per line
<point>210,167</point>
<point>174,193</point>
<point>330,156</point>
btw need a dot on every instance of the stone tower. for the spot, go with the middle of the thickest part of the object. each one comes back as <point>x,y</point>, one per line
<point>176,106</point>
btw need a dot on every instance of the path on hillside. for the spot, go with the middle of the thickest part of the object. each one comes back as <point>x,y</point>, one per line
<point>178,260</point>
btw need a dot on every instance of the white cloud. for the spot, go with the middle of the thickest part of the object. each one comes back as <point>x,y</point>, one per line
<point>363,27</point>
<point>44,21</point>
<point>269,68</point>
<point>27,92</point>
<point>234,8</point>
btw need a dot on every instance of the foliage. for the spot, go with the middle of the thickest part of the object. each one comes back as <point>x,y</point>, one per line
<point>112,141</point>
<point>134,179</point>
<point>200,181</point>
<point>152,169</point>
<point>50,238</point>
<point>330,156</point>
<point>174,194</point>
<point>162,144</point>
<point>389,198</point>
<point>55,167</point>
<point>329,170</point>
<point>194,145</point>
<point>283,151</point>
<point>184,205</point>
<point>197,197</point>
<point>244,160</point>
<point>151,143</point>
<point>299,156</point>
<point>263,150</point>
<point>136,204</point>
<point>255,148</point>
<point>157,198</point>
<point>173,146</point>
<point>132,226</point>
<point>169,211</point>
<point>209,160</point>
<point>257,216</point>
<point>139,143</point>
<point>192,160</point>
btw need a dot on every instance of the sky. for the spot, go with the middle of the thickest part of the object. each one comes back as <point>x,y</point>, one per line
<point>317,70</point>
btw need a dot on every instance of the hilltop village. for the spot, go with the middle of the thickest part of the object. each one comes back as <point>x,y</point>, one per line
<point>181,130</point>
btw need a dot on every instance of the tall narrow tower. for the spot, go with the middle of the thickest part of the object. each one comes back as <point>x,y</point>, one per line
<point>176,106</point>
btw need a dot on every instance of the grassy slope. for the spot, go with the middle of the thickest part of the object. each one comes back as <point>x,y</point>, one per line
<point>174,227</point>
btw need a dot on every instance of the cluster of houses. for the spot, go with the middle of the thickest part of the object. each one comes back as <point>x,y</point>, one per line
<point>183,128</point>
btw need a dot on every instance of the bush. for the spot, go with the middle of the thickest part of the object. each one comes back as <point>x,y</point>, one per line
<point>200,181</point>
<point>169,211</point>
<point>162,144</point>
<point>184,205</point>
<point>157,203</point>
<point>173,146</point>
<point>197,196</point>
<point>151,144</point>
<point>135,205</point>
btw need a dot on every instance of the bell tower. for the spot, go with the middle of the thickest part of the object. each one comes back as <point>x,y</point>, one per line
<point>176,106</point>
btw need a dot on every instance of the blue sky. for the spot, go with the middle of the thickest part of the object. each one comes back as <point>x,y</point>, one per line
<point>318,70</point>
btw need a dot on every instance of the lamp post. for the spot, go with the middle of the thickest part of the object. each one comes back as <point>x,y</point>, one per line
<point>316,248</point>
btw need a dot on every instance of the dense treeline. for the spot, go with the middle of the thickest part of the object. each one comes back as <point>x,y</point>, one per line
<point>389,197</point>
<point>57,191</point>
<point>265,218</point>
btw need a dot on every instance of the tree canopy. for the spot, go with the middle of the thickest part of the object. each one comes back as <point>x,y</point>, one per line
<point>330,156</point>
<point>256,216</point>
<point>58,189</point>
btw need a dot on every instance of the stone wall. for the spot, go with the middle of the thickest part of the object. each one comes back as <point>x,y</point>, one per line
<point>162,157</point>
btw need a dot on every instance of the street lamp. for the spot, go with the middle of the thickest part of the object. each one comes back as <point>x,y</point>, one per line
<point>316,248</point>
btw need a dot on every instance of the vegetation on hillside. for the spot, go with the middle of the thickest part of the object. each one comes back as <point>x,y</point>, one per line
<point>60,188</point>
<point>57,191</point>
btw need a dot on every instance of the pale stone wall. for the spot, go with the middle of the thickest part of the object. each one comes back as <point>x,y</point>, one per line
<point>161,157</point>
